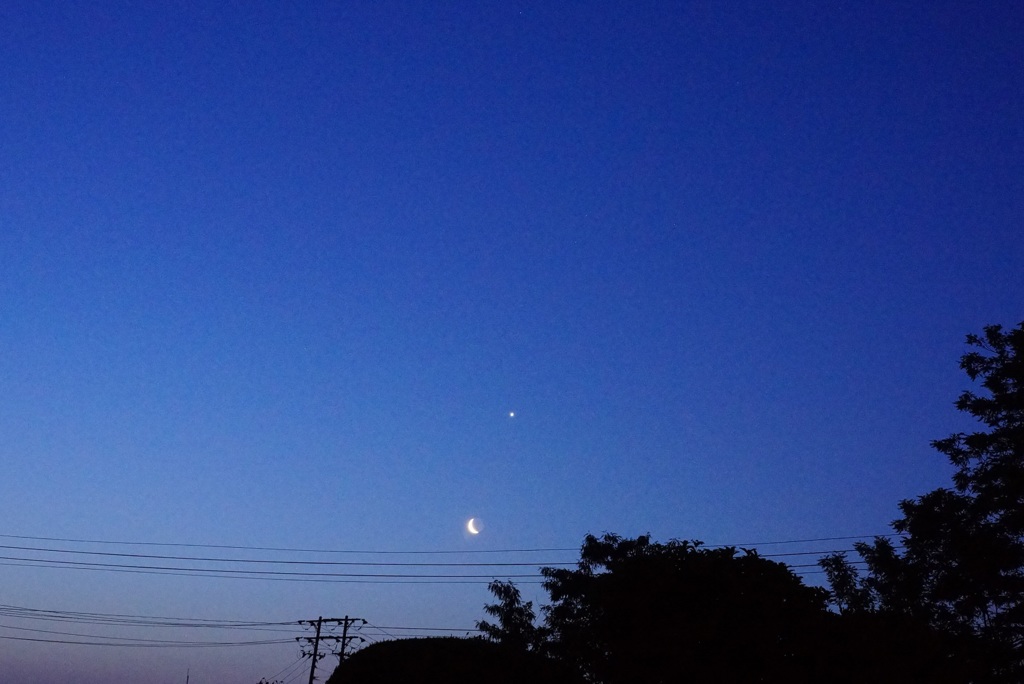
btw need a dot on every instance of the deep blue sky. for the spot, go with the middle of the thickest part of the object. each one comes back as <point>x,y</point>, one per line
<point>276,275</point>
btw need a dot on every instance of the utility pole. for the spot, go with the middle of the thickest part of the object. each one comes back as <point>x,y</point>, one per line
<point>315,640</point>
<point>316,646</point>
<point>345,638</point>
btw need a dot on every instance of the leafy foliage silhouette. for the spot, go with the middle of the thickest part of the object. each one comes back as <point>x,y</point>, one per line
<point>515,626</point>
<point>635,610</point>
<point>638,611</point>
<point>961,566</point>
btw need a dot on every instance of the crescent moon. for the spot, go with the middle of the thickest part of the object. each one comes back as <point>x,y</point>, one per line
<point>471,527</point>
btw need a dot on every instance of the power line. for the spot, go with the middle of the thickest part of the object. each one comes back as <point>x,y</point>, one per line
<point>183,564</point>
<point>318,577</point>
<point>182,644</point>
<point>122,620</point>
<point>280,549</point>
<point>44,561</point>
<point>295,675</point>
<point>382,629</point>
<point>285,549</point>
<point>163,619</point>
<point>421,629</point>
<point>808,553</point>
<point>214,575</point>
<point>286,670</point>
<point>270,573</point>
<point>20,632</point>
<point>264,561</point>
<point>132,641</point>
<point>798,541</point>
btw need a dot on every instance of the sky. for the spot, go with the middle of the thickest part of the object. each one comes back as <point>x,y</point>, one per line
<point>278,275</point>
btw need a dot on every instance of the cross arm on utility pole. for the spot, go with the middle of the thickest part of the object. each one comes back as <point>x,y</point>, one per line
<point>344,639</point>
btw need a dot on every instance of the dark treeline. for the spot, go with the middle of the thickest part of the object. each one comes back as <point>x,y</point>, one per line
<point>634,610</point>
<point>959,564</point>
<point>942,604</point>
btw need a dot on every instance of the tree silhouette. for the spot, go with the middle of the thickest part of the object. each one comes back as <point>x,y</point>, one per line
<point>449,660</point>
<point>638,611</point>
<point>961,568</point>
<point>633,610</point>
<point>515,626</point>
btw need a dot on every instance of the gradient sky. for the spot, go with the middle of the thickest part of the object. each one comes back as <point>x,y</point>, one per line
<point>275,274</point>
